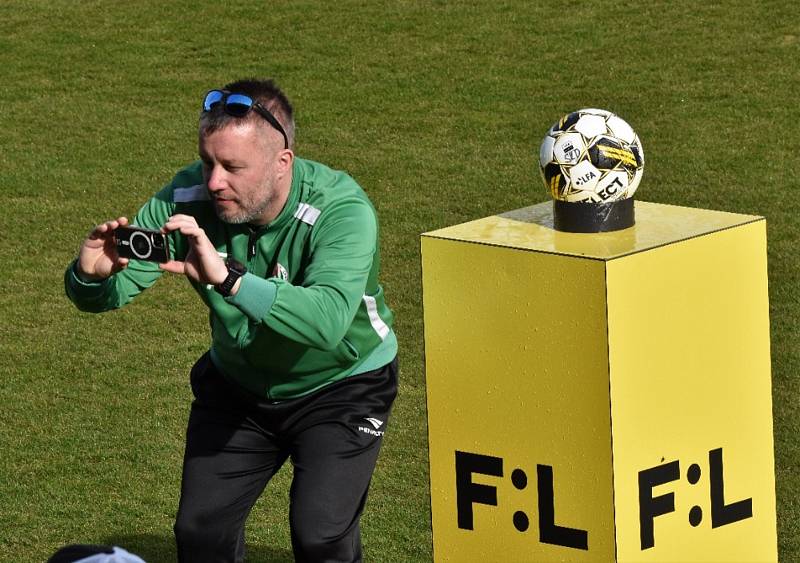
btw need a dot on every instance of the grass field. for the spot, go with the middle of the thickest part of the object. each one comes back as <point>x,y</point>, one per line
<point>437,108</point>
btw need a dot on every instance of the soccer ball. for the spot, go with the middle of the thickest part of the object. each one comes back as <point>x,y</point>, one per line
<point>591,155</point>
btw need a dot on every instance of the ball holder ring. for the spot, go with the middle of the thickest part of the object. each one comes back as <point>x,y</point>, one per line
<point>587,217</point>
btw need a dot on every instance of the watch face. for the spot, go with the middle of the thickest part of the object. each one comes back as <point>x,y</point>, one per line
<point>235,266</point>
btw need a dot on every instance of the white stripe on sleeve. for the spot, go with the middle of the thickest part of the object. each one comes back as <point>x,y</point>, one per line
<point>307,214</point>
<point>192,193</point>
<point>375,320</point>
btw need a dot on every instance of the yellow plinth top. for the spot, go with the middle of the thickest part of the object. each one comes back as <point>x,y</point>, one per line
<point>531,228</point>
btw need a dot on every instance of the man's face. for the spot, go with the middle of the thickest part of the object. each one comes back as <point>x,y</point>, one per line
<point>239,171</point>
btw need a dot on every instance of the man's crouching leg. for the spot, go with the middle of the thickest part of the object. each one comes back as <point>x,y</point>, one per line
<point>328,496</point>
<point>333,465</point>
<point>227,464</point>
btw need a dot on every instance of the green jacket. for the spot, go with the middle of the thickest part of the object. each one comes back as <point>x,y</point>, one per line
<point>309,311</point>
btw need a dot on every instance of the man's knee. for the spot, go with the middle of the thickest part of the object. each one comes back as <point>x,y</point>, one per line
<point>313,541</point>
<point>199,537</point>
<point>314,549</point>
<point>188,531</point>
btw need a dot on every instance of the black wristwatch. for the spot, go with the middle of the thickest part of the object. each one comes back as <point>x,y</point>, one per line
<point>235,271</point>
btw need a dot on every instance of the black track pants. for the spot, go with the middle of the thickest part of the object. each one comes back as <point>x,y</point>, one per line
<point>235,443</point>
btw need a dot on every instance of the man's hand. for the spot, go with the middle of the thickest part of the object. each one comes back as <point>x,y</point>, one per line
<point>202,263</point>
<point>98,258</point>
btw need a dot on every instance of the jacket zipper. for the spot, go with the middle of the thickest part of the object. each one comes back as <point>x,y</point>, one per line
<point>251,244</point>
<point>252,240</point>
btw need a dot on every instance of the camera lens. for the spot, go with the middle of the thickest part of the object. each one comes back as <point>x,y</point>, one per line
<point>158,241</point>
<point>140,244</point>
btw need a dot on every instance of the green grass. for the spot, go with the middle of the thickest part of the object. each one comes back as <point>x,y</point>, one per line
<point>437,108</point>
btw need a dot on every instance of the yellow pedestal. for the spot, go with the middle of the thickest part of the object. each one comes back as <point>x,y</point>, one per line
<point>600,397</point>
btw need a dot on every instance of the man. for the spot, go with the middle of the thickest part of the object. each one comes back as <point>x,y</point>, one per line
<point>284,252</point>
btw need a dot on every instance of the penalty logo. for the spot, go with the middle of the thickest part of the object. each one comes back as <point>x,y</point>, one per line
<point>376,424</point>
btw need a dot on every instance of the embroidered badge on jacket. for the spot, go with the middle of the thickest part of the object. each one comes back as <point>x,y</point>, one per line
<point>280,272</point>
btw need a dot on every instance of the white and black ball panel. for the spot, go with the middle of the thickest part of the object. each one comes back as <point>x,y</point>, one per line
<point>584,176</point>
<point>554,179</point>
<point>620,129</point>
<point>546,151</point>
<point>565,123</point>
<point>568,148</point>
<point>591,126</point>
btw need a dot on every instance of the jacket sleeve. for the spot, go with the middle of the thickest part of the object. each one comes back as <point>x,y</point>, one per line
<point>122,287</point>
<point>319,312</point>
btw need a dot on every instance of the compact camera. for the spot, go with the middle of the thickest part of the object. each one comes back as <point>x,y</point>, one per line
<point>142,244</point>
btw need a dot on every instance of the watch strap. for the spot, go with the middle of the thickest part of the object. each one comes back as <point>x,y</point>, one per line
<point>235,271</point>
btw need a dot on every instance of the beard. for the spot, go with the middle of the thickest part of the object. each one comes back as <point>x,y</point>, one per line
<point>250,207</point>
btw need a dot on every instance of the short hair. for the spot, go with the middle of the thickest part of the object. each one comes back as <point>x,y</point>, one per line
<point>265,92</point>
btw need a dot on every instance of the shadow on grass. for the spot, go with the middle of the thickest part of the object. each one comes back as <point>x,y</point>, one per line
<point>161,549</point>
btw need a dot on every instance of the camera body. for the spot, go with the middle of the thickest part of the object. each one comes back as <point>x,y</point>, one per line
<point>142,244</point>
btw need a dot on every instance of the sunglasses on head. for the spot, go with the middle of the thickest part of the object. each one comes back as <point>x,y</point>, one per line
<point>239,105</point>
